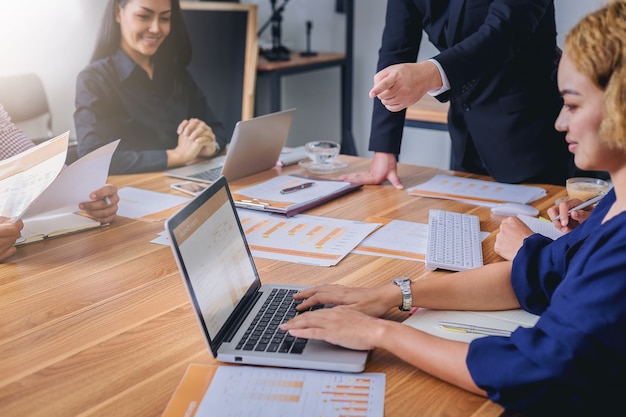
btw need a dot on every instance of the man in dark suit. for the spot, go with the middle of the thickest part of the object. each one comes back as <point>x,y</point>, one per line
<point>496,66</point>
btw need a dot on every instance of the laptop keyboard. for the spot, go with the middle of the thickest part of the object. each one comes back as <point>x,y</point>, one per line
<point>263,334</point>
<point>208,175</point>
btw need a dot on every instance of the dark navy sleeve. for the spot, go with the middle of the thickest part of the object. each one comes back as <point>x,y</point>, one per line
<point>574,358</point>
<point>400,43</point>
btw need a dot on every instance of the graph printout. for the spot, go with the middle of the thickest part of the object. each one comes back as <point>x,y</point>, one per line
<point>313,240</point>
<point>250,391</point>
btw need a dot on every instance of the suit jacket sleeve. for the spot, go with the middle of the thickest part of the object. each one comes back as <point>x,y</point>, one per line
<point>400,43</point>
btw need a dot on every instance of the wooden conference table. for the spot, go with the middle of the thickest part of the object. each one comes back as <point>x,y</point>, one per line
<point>99,324</point>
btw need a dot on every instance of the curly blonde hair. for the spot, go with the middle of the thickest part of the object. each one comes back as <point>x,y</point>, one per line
<point>597,47</point>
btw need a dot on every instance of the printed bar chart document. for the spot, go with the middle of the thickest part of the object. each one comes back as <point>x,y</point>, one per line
<point>312,240</point>
<point>476,191</point>
<point>234,391</point>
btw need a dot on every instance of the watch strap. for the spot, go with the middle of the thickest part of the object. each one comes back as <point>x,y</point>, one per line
<point>405,289</point>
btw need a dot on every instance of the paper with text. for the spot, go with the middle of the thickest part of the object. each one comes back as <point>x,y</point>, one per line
<point>25,176</point>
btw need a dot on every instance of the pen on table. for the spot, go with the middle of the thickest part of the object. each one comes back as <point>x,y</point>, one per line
<point>470,328</point>
<point>582,205</point>
<point>296,188</point>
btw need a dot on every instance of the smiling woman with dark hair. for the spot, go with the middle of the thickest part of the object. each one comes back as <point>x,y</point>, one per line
<point>137,89</point>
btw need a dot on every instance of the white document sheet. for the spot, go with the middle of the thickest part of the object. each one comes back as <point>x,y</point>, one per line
<point>138,203</point>
<point>74,184</point>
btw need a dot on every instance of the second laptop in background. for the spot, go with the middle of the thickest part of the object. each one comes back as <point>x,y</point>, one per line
<point>254,147</point>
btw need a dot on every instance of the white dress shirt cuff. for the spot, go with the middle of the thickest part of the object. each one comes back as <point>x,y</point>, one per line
<point>446,84</point>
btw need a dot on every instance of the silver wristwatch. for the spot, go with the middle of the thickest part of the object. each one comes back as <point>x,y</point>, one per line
<point>405,288</point>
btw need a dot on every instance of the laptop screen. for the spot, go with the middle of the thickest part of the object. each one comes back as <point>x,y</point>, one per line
<point>213,256</point>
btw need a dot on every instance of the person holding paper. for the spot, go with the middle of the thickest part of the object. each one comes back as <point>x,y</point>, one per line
<point>573,361</point>
<point>496,68</point>
<point>102,205</point>
<point>137,89</point>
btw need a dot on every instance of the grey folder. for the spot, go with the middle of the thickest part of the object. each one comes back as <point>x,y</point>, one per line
<point>254,147</point>
<point>217,267</point>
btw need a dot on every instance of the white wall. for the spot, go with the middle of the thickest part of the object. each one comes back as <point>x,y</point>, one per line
<point>53,39</point>
<point>56,38</point>
<point>316,94</point>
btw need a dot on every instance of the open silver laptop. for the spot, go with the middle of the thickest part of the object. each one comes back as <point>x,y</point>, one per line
<point>254,147</point>
<point>216,265</point>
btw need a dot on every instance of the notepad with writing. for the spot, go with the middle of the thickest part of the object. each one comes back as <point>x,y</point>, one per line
<point>303,193</point>
<point>429,321</point>
<point>476,191</point>
<point>541,226</point>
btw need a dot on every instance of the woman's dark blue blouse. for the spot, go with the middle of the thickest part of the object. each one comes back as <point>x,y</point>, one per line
<point>574,360</point>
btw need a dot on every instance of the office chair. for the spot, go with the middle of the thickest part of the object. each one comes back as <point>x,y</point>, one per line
<point>24,99</point>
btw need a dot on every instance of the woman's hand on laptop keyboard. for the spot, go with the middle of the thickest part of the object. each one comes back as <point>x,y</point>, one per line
<point>339,325</point>
<point>371,301</point>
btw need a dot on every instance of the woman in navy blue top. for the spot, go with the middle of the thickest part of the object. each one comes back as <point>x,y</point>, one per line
<point>573,361</point>
<point>137,89</point>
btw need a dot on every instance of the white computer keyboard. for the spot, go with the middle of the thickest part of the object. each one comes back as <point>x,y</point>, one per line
<point>454,241</point>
